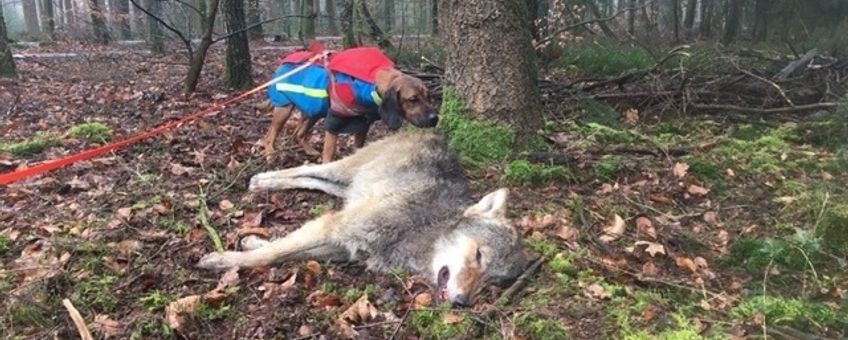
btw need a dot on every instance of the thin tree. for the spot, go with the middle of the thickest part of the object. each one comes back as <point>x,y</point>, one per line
<point>490,61</point>
<point>122,18</point>
<point>98,23</point>
<point>374,30</point>
<point>7,63</point>
<point>308,28</point>
<point>707,9</point>
<point>48,19</point>
<point>31,18</point>
<point>69,12</point>
<point>389,14</point>
<point>332,25</point>
<point>154,30</point>
<point>434,17</point>
<point>346,16</point>
<point>733,21</point>
<point>761,16</point>
<point>237,66</point>
<point>631,18</point>
<point>254,19</point>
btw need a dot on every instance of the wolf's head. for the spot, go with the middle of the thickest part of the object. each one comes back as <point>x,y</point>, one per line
<point>484,248</point>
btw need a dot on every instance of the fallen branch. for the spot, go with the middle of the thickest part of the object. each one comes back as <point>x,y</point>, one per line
<point>793,66</point>
<point>798,108</point>
<point>518,285</point>
<point>84,333</point>
<point>638,74</point>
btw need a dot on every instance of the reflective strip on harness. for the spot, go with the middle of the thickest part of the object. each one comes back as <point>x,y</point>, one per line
<point>316,93</point>
<point>376,98</point>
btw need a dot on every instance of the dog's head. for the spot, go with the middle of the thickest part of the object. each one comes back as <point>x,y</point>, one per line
<point>484,249</point>
<point>406,97</point>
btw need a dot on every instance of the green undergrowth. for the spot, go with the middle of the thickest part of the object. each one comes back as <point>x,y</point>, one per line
<point>93,132</point>
<point>803,315</point>
<point>603,58</point>
<point>32,146</point>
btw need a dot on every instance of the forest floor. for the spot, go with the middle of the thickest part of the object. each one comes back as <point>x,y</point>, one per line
<point>657,226</point>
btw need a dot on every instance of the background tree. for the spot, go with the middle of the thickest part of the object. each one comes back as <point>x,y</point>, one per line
<point>98,23</point>
<point>31,18</point>
<point>308,24</point>
<point>254,18</point>
<point>388,14</point>
<point>237,65</point>
<point>346,18</point>
<point>489,60</point>
<point>155,36</point>
<point>48,19</point>
<point>7,63</point>
<point>332,25</point>
<point>733,21</point>
<point>122,18</point>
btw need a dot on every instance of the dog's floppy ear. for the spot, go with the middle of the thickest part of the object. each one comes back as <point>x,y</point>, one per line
<point>389,109</point>
<point>492,205</point>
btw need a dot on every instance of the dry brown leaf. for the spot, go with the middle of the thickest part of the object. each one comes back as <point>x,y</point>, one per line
<point>176,311</point>
<point>179,170</point>
<point>680,169</point>
<point>304,330</point>
<point>567,233</point>
<point>230,278</point>
<point>645,226</point>
<point>697,190</point>
<point>687,264</point>
<point>613,231</point>
<point>313,267</point>
<point>649,268</point>
<point>631,116</point>
<point>701,262</point>
<point>422,300</point>
<point>125,213</point>
<point>127,247</point>
<point>10,234</point>
<point>360,311</point>
<point>226,205</point>
<point>451,318</point>
<point>711,218</point>
<point>596,291</point>
<point>652,248</point>
<point>105,325</point>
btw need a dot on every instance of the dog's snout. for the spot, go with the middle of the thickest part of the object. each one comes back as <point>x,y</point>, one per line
<point>460,300</point>
<point>432,119</point>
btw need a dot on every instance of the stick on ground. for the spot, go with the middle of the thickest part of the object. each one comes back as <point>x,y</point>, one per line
<point>84,333</point>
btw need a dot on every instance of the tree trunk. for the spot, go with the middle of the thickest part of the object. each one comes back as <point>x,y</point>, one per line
<point>253,17</point>
<point>285,9</point>
<point>332,25</point>
<point>48,19</point>
<point>346,16</point>
<point>596,13</point>
<point>490,61</point>
<point>7,63</point>
<point>689,21</point>
<point>675,19</point>
<point>154,30</point>
<point>69,14</point>
<point>389,14</point>
<point>761,14</point>
<point>706,18</point>
<point>434,17</point>
<point>731,24</point>
<point>122,18</point>
<point>199,56</point>
<point>307,27</point>
<point>237,66</point>
<point>631,18</point>
<point>374,30</point>
<point>31,18</point>
<point>98,23</point>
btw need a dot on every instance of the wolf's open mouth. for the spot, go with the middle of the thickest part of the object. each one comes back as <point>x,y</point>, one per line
<point>442,283</point>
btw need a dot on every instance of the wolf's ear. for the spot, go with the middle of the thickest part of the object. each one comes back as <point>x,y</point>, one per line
<point>492,205</point>
<point>389,109</point>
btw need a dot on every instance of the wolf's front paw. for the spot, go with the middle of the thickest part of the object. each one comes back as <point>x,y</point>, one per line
<point>263,181</point>
<point>218,261</point>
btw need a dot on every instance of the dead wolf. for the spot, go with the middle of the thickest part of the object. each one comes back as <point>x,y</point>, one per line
<point>407,205</point>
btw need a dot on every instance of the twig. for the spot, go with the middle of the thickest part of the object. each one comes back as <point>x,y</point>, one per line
<point>638,73</point>
<point>557,32</point>
<point>642,278</point>
<point>202,216</point>
<point>799,108</point>
<point>254,25</point>
<point>186,41</point>
<point>84,333</point>
<point>773,84</point>
<point>400,324</point>
<point>519,283</point>
<point>376,324</point>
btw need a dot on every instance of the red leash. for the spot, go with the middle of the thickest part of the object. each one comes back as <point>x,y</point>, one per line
<point>91,153</point>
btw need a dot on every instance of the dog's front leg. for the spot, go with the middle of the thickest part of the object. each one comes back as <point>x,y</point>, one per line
<point>302,135</point>
<point>281,115</point>
<point>330,141</point>
<point>314,234</point>
<point>359,137</point>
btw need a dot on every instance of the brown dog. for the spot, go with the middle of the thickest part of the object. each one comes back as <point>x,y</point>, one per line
<point>403,97</point>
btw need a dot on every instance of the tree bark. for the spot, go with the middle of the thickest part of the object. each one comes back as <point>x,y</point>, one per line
<point>332,23</point>
<point>706,18</point>
<point>490,61</point>
<point>689,21</point>
<point>237,65</point>
<point>631,18</point>
<point>253,17</point>
<point>434,17</point>
<point>199,56</point>
<point>31,18</point>
<point>122,18</point>
<point>307,27</point>
<point>69,13</point>
<point>154,30</point>
<point>596,13</point>
<point>7,63</point>
<point>48,19</point>
<point>285,24</point>
<point>389,14</point>
<point>675,19</point>
<point>761,15</point>
<point>731,24</point>
<point>346,16</point>
<point>98,23</point>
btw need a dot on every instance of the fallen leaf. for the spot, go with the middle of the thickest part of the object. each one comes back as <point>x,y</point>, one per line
<point>105,325</point>
<point>596,291</point>
<point>711,218</point>
<point>701,262</point>
<point>252,220</point>
<point>649,268</point>
<point>613,231</point>
<point>687,264</point>
<point>537,222</point>
<point>567,233</point>
<point>730,173</point>
<point>680,169</point>
<point>10,234</point>
<point>360,311</point>
<point>652,248</point>
<point>645,226</point>
<point>422,300</point>
<point>229,279</point>
<point>225,205</point>
<point>304,331</point>
<point>179,170</point>
<point>451,318</point>
<point>697,190</point>
<point>127,247</point>
<point>176,311</point>
<point>313,267</point>
<point>125,213</point>
<point>631,116</point>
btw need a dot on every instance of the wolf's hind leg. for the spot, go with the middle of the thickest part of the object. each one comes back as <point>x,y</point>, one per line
<point>313,235</point>
<point>326,252</point>
<point>299,178</point>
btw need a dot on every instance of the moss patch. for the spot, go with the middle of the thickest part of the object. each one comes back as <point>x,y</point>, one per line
<point>93,132</point>
<point>477,142</point>
<point>522,172</point>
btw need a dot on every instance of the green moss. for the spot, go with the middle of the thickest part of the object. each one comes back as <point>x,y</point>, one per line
<point>607,135</point>
<point>808,316</point>
<point>833,228</point>
<point>541,246</point>
<point>522,172</point>
<point>207,312</point>
<point>174,225</point>
<point>535,326</point>
<point>478,142</point>
<point>608,167</point>
<point>93,132</point>
<point>4,243</point>
<point>562,264</point>
<point>431,325</point>
<point>96,293</point>
<point>31,146</point>
<point>154,301</point>
<point>596,112</point>
<point>24,315</point>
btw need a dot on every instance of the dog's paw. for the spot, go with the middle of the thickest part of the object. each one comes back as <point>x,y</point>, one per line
<point>218,261</point>
<point>251,242</point>
<point>260,182</point>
